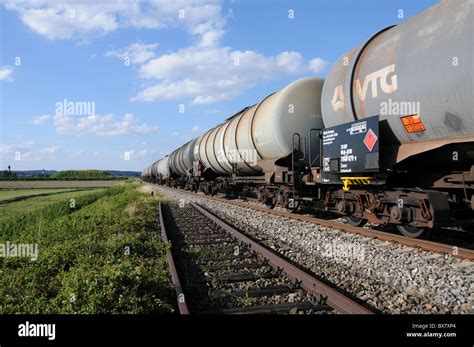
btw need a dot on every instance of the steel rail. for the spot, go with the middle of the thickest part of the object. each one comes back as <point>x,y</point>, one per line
<point>182,305</point>
<point>432,246</point>
<point>334,298</point>
<point>426,245</point>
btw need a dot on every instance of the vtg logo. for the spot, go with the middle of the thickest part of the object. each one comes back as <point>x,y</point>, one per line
<point>374,79</point>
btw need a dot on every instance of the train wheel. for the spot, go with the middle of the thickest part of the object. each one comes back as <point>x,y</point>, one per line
<point>409,231</point>
<point>270,202</point>
<point>357,222</point>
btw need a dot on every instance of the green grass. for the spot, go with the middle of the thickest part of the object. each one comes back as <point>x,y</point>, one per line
<point>51,184</point>
<point>82,265</point>
<point>12,193</point>
<point>28,205</point>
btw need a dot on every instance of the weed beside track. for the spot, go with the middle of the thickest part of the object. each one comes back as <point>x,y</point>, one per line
<point>99,256</point>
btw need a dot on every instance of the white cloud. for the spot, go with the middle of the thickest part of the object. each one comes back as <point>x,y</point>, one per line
<point>6,149</point>
<point>101,125</point>
<point>137,52</point>
<point>317,65</point>
<point>200,100</point>
<point>204,72</point>
<point>58,20</point>
<point>5,73</point>
<point>27,151</point>
<point>137,154</point>
<point>175,134</point>
<point>289,62</point>
<point>212,74</point>
<point>40,119</point>
<point>41,154</point>
<point>195,128</point>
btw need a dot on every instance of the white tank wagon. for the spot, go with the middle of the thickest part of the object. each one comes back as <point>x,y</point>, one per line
<point>159,171</point>
<point>173,162</point>
<point>393,144</point>
<point>154,169</point>
<point>417,76</point>
<point>187,157</point>
<point>263,133</point>
<point>163,168</point>
<point>146,174</point>
<point>181,159</point>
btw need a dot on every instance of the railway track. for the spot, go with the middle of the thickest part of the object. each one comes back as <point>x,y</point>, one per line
<point>216,268</point>
<point>427,245</point>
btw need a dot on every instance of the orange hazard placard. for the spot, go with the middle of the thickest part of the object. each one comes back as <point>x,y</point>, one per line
<point>413,123</point>
<point>370,140</point>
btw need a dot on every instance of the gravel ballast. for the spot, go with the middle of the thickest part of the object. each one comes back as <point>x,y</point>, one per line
<point>391,277</point>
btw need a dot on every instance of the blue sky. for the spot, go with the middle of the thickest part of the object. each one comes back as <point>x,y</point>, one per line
<point>137,64</point>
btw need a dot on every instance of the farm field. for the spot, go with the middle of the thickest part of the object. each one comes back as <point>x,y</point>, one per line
<point>102,256</point>
<point>7,194</point>
<point>29,204</point>
<point>30,184</point>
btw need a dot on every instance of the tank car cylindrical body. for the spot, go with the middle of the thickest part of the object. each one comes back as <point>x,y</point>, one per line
<point>181,159</point>
<point>187,156</point>
<point>147,172</point>
<point>263,131</point>
<point>422,68</point>
<point>144,173</point>
<point>173,162</point>
<point>154,169</point>
<point>163,167</point>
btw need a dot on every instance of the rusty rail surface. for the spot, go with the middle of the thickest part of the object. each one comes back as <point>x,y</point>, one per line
<point>335,299</point>
<point>182,305</point>
<point>431,246</point>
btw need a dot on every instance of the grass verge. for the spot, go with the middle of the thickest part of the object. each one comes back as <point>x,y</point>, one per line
<point>99,257</point>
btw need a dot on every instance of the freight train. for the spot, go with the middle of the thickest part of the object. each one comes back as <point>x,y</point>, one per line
<point>387,137</point>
